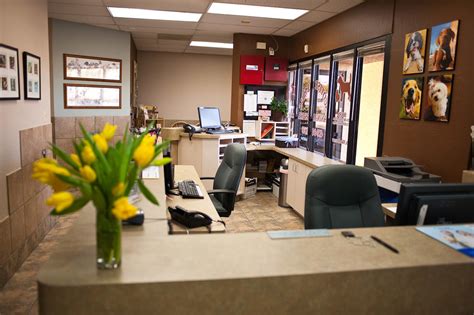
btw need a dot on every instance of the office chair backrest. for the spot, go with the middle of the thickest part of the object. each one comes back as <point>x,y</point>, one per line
<point>342,196</point>
<point>229,173</point>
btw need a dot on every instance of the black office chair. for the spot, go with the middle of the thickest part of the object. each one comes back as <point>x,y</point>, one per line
<point>227,179</point>
<point>342,196</point>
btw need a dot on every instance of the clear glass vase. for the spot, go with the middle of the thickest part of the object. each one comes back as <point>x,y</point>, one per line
<point>108,240</point>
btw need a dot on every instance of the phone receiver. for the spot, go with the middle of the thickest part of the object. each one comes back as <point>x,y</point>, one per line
<point>189,128</point>
<point>188,218</point>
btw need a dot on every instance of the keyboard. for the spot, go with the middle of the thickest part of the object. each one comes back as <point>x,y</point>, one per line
<point>189,189</point>
<point>218,131</point>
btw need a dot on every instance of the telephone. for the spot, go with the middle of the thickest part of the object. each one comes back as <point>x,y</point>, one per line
<point>191,130</point>
<point>188,218</point>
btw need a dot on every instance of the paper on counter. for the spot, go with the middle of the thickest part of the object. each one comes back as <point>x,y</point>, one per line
<point>250,102</point>
<point>151,172</point>
<point>265,97</point>
<point>298,233</point>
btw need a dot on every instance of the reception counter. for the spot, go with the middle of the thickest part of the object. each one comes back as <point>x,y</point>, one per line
<point>250,273</point>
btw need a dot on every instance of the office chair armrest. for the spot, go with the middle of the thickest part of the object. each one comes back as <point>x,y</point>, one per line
<point>221,191</point>
<point>206,177</point>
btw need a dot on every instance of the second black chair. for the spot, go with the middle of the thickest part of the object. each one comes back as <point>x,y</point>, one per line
<point>227,179</point>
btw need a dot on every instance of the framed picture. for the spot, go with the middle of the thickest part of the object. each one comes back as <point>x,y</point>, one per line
<point>444,38</point>
<point>92,96</point>
<point>31,76</point>
<point>87,68</point>
<point>9,73</point>
<point>439,98</point>
<point>414,53</point>
<point>410,101</point>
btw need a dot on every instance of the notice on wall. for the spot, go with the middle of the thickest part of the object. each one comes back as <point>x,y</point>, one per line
<point>250,102</point>
<point>265,97</point>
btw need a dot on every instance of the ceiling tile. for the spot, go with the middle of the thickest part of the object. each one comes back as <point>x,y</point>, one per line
<point>81,2</point>
<point>172,43</point>
<point>294,4</point>
<point>199,6</point>
<point>209,51</point>
<point>285,32</point>
<point>145,41</point>
<point>223,36</point>
<point>87,19</point>
<point>298,25</point>
<point>112,27</point>
<point>61,8</point>
<point>137,35</point>
<point>338,5</point>
<point>237,20</point>
<point>155,23</point>
<point>219,28</point>
<point>316,16</point>
<point>155,30</point>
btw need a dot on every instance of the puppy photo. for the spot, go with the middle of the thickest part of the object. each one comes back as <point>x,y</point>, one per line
<point>443,46</point>
<point>414,57</point>
<point>410,105</point>
<point>439,98</point>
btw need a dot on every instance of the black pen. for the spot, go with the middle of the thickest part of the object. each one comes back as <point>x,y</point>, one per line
<point>390,247</point>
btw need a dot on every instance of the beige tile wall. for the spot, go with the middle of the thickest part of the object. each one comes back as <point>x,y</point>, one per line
<point>29,219</point>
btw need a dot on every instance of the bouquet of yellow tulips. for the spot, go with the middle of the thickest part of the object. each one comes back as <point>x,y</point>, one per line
<point>105,175</point>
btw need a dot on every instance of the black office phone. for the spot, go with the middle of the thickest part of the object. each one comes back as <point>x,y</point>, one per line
<point>188,218</point>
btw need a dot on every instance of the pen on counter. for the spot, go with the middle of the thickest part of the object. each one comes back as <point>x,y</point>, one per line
<point>390,247</point>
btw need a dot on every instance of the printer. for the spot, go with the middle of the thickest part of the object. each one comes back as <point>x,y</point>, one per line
<point>391,172</point>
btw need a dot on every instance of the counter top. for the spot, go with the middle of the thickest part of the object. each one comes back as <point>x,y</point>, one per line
<point>215,136</point>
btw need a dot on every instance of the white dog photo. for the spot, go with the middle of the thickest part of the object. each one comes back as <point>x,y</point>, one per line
<point>439,98</point>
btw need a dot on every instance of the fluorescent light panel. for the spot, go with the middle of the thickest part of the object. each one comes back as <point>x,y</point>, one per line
<point>211,44</point>
<point>255,11</point>
<point>144,14</point>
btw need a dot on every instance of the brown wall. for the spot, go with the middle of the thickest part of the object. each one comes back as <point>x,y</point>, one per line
<point>443,148</point>
<point>369,20</point>
<point>245,44</point>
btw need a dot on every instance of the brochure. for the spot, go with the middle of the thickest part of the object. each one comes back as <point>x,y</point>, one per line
<point>458,237</point>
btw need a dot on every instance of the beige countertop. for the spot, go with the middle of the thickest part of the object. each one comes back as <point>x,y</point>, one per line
<point>215,136</point>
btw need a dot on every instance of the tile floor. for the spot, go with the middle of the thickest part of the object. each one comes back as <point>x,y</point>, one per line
<point>19,296</point>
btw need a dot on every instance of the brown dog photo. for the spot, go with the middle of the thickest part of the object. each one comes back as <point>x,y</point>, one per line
<point>443,46</point>
<point>410,102</point>
<point>414,54</point>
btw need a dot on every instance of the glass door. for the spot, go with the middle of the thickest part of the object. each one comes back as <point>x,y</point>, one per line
<point>303,103</point>
<point>291,95</point>
<point>320,101</point>
<point>342,90</point>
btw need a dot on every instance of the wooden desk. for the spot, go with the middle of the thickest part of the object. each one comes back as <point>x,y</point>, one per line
<point>187,172</point>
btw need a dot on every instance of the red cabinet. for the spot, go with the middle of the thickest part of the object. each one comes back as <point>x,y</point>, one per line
<point>251,69</point>
<point>276,69</point>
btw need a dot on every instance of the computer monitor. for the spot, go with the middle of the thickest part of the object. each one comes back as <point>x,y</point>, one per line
<point>169,173</point>
<point>209,117</point>
<point>446,204</point>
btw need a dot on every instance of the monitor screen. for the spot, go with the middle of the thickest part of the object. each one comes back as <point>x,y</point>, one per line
<point>209,117</point>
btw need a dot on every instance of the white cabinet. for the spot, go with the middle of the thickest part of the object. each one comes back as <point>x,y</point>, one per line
<point>297,175</point>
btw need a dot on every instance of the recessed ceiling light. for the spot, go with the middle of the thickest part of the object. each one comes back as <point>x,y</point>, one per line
<point>255,11</point>
<point>211,44</point>
<point>144,14</point>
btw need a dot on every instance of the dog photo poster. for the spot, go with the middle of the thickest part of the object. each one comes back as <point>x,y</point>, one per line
<point>443,46</point>
<point>414,53</point>
<point>410,102</point>
<point>439,98</point>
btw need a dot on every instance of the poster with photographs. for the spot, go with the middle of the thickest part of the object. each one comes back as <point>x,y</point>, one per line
<point>443,42</point>
<point>9,73</point>
<point>88,68</point>
<point>92,96</point>
<point>410,101</point>
<point>414,54</point>
<point>439,98</point>
<point>31,76</point>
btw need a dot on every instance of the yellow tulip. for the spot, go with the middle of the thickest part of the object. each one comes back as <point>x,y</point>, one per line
<point>88,173</point>
<point>101,143</point>
<point>148,140</point>
<point>118,190</point>
<point>123,209</point>
<point>76,159</point>
<point>60,200</point>
<point>108,132</point>
<point>88,155</point>
<point>144,154</point>
<point>45,171</point>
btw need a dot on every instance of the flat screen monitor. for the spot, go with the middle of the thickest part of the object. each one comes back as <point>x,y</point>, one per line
<point>169,173</point>
<point>209,117</point>
<point>430,204</point>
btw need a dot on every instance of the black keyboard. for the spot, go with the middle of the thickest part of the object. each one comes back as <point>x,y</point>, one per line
<point>218,131</point>
<point>189,189</point>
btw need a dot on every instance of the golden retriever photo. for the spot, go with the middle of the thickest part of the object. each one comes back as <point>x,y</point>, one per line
<point>414,57</point>
<point>410,104</point>
<point>439,98</point>
<point>443,46</point>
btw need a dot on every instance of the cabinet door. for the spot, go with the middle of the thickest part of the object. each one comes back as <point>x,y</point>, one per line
<point>300,187</point>
<point>292,177</point>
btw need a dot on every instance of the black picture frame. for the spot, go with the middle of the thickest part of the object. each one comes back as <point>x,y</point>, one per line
<point>6,72</point>
<point>33,76</point>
